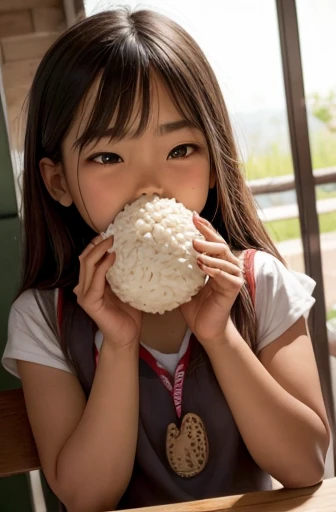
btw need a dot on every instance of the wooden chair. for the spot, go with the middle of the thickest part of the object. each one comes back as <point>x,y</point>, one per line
<point>18,453</point>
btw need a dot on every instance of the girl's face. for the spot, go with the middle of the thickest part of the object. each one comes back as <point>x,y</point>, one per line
<point>170,159</point>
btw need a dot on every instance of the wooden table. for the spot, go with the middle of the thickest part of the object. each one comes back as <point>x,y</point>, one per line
<point>320,498</point>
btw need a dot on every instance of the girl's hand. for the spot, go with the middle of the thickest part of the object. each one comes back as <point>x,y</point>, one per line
<point>208,312</point>
<point>119,323</point>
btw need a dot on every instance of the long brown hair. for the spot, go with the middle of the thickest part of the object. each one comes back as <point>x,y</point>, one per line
<point>123,49</point>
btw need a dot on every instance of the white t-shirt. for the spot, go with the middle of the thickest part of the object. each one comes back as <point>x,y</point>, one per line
<point>282,297</point>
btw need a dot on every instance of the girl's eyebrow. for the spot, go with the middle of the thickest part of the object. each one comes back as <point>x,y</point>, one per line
<point>163,129</point>
<point>173,126</point>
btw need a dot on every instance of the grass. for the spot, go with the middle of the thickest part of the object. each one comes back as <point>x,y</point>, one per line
<point>275,162</point>
<point>269,164</point>
<point>281,230</point>
<point>331,314</point>
<point>323,193</point>
<point>323,149</point>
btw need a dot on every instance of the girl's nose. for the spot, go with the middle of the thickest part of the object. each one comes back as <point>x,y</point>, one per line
<point>150,190</point>
<point>149,184</point>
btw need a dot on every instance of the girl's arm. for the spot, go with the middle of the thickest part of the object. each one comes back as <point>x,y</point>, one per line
<point>277,403</point>
<point>86,451</point>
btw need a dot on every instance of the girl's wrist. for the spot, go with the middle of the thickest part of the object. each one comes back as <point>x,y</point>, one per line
<point>230,337</point>
<point>119,349</point>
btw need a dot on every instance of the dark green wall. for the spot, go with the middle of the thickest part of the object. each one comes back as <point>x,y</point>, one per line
<point>14,492</point>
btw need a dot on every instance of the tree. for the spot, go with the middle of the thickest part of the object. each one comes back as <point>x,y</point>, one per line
<point>324,109</point>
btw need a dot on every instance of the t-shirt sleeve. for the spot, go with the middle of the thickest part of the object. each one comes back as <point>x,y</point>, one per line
<point>30,338</point>
<point>282,297</point>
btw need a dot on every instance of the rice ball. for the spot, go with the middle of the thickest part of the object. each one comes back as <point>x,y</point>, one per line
<point>155,268</point>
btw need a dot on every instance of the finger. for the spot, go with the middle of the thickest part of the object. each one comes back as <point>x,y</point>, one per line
<point>98,283</point>
<point>78,289</point>
<point>216,249</point>
<point>208,230</point>
<point>93,260</point>
<point>224,265</point>
<point>222,278</point>
<point>94,242</point>
<point>82,256</point>
<point>90,259</point>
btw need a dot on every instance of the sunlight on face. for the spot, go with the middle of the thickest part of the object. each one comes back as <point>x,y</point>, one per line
<point>169,159</point>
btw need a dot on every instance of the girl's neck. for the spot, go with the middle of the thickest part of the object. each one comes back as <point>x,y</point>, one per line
<point>165,332</point>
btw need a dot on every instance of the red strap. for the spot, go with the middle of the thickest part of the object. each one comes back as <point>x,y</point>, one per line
<point>249,271</point>
<point>175,387</point>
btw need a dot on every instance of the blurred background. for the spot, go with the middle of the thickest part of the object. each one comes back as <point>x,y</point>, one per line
<point>241,40</point>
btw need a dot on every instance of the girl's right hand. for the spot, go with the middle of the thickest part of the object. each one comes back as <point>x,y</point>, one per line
<point>119,323</point>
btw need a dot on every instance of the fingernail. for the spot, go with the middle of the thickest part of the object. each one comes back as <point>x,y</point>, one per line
<point>196,214</point>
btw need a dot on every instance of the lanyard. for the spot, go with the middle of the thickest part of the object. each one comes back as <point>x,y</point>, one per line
<point>174,386</point>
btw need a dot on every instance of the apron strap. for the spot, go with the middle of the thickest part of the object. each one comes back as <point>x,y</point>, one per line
<point>249,255</point>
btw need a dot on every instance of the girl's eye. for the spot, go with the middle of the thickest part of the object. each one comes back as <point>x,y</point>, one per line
<point>107,158</point>
<point>182,151</point>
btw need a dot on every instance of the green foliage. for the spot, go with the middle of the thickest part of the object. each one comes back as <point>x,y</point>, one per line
<point>324,109</point>
<point>281,230</point>
<point>275,162</point>
<point>269,164</point>
<point>323,149</point>
<point>323,114</point>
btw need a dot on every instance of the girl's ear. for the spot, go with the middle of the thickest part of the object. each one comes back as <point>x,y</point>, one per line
<point>55,182</point>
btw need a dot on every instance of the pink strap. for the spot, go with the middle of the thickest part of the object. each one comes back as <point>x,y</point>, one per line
<point>249,255</point>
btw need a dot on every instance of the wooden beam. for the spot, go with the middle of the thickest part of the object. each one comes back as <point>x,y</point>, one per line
<point>287,182</point>
<point>305,190</point>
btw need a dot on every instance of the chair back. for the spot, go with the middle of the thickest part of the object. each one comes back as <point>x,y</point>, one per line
<point>18,453</point>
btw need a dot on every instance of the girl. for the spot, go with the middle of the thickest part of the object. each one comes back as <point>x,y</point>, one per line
<point>126,104</point>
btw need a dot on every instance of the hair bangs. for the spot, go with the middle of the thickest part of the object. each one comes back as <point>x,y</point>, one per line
<point>122,103</point>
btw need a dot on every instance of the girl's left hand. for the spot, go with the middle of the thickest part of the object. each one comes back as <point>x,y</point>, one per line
<point>208,312</point>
